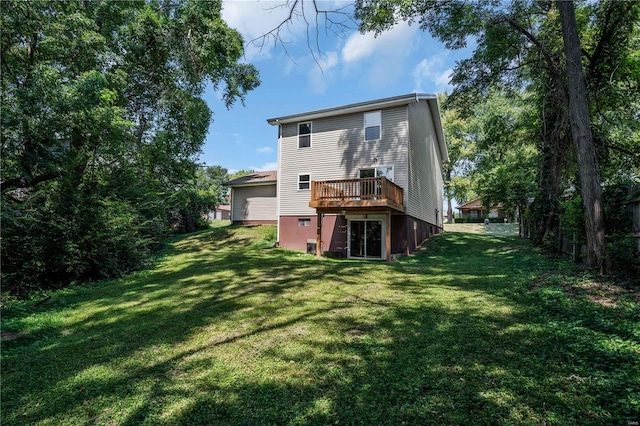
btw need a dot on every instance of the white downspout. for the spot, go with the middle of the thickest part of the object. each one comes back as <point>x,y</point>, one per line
<point>278,185</point>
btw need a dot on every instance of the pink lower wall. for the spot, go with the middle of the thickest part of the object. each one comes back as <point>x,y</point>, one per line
<point>334,233</point>
<point>404,238</point>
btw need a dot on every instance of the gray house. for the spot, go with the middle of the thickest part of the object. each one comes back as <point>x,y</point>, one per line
<point>358,181</point>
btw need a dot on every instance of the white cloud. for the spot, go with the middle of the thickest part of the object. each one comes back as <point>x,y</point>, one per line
<point>265,167</point>
<point>432,75</point>
<point>253,19</point>
<point>397,41</point>
<point>380,61</point>
<point>321,72</point>
<point>264,150</point>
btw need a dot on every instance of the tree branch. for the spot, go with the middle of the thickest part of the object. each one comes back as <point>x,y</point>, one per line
<point>623,150</point>
<point>552,67</point>
<point>22,182</point>
<point>336,21</point>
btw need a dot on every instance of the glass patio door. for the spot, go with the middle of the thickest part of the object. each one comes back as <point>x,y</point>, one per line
<point>365,239</point>
<point>373,190</point>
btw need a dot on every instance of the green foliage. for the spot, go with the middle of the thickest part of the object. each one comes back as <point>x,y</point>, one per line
<point>573,220</point>
<point>519,53</point>
<point>462,150</point>
<point>622,246</point>
<point>59,236</point>
<point>189,208</point>
<point>240,173</point>
<point>507,158</point>
<point>210,180</point>
<point>102,123</point>
<point>622,249</point>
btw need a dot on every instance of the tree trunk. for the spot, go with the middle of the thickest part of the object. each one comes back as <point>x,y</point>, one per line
<point>450,218</point>
<point>583,139</point>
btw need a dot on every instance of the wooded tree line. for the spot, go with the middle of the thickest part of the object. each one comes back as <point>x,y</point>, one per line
<point>102,123</point>
<point>546,109</point>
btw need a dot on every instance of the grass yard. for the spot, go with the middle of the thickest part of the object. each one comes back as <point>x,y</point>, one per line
<point>476,329</point>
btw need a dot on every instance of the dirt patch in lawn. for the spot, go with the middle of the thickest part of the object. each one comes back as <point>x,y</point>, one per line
<point>603,293</point>
<point>11,335</point>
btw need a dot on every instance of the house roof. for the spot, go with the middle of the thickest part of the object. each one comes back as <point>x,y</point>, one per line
<point>224,208</point>
<point>476,203</point>
<point>256,178</point>
<point>373,105</point>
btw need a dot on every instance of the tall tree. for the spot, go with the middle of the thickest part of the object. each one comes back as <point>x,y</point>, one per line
<point>210,180</point>
<point>461,146</point>
<point>511,47</point>
<point>506,153</point>
<point>583,139</point>
<point>102,120</point>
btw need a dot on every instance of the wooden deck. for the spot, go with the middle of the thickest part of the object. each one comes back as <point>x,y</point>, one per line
<point>349,194</point>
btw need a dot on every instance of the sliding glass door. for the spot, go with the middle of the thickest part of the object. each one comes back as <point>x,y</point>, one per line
<point>365,239</point>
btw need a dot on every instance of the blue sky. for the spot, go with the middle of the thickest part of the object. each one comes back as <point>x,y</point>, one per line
<point>348,68</point>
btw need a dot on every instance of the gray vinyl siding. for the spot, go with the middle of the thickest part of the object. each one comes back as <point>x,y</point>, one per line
<point>254,203</point>
<point>425,166</point>
<point>338,150</point>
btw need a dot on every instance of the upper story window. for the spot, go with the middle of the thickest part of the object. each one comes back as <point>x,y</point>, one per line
<point>304,135</point>
<point>372,126</point>
<point>304,182</point>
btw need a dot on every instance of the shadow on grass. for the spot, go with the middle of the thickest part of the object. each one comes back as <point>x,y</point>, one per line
<point>226,331</point>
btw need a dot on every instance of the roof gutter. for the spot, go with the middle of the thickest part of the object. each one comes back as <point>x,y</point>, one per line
<point>350,109</point>
<point>258,183</point>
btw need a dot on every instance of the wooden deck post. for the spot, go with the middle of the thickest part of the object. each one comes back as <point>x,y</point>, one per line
<point>388,236</point>
<point>319,237</point>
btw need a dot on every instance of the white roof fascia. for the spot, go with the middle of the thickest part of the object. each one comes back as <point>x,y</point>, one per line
<point>350,109</point>
<point>261,183</point>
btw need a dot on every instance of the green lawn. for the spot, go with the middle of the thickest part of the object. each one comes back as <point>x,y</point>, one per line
<point>476,329</point>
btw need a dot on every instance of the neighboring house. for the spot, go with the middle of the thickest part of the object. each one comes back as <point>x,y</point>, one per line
<point>253,199</point>
<point>475,209</point>
<point>222,212</point>
<point>358,181</point>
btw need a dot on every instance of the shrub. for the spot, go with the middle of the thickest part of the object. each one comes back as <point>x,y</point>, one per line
<point>622,254</point>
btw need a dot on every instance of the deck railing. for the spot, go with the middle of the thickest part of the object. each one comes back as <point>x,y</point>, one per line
<point>365,189</point>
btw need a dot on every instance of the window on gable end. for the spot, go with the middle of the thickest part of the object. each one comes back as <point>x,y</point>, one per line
<point>304,135</point>
<point>372,125</point>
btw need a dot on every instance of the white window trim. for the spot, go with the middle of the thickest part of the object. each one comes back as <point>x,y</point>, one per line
<point>383,230</point>
<point>364,125</point>
<point>304,174</point>
<point>310,134</point>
